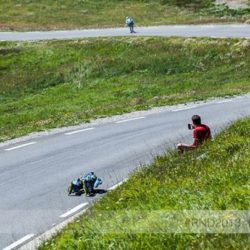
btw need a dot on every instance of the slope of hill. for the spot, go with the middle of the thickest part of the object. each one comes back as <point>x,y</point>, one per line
<point>147,211</point>
<point>68,14</point>
<point>60,83</point>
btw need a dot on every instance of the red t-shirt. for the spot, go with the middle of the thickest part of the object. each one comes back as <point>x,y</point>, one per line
<point>201,133</point>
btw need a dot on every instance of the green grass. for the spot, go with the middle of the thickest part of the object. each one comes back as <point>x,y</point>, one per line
<point>69,14</point>
<point>127,217</point>
<point>53,84</point>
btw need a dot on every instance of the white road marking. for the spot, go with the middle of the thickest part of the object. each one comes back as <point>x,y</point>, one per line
<point>73,210</point>
<point>36,242</point>
<point>180,109</point>
<point>117,185</point>
<point>19,242</point>
<point>132,119</point>
<point>78,131</point>
<point>20,146</point>
<point>224,101</point>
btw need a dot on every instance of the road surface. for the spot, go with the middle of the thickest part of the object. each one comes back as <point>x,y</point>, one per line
<point>210,30</point>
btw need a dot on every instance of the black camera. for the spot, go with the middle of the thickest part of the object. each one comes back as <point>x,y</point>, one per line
<point>190,126</point>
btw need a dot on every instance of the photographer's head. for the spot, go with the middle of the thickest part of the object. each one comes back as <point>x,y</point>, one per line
<point>196,120</point>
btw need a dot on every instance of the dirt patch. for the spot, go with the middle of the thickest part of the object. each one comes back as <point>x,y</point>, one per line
<point>6,27</point>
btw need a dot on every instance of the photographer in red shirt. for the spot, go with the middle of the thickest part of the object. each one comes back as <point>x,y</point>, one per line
<point>201,133</point>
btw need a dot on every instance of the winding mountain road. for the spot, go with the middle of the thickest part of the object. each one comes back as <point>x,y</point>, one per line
<point>35,171</point>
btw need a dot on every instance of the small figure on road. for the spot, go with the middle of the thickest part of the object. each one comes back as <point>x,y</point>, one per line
<point>201,133</point>
<point>130,24</point>
<point>85,184</point>
<point>90,183</point>
<point>76,187</point>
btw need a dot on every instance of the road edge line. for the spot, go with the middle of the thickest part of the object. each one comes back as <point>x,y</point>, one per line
<point>36,242</point>
<point>78,131</point>
<point>117,185</point>
<point>21,146</point>
<point>19,242</point>
<point>131,119</point>
<point>74,210</point>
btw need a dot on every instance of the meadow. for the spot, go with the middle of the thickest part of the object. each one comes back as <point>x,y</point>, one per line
<point>52,84</point>
<point>26,15</point>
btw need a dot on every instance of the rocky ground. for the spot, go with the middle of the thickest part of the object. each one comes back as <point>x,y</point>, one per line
<point>234,4</point>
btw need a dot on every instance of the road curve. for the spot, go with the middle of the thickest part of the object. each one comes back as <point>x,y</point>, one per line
<point>210,30</point>
<point>34,174</point>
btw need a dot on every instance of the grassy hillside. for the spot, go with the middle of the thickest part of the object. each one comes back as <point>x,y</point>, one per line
<point>134,216</point>
<point>52,84</point>
<point>69,14</point>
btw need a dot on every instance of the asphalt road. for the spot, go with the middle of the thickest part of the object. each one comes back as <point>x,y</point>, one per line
<point>211,30</point>
<point>34,174</point>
